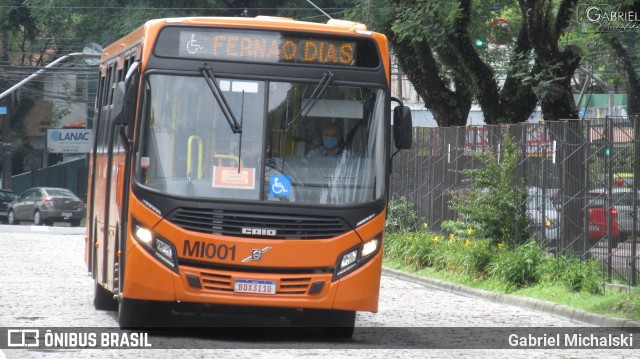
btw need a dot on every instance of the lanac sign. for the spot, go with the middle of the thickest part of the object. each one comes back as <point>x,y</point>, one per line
<point>62,140</point>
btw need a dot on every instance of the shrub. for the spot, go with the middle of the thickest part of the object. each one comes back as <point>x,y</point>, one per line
<point>394,244</point>
<point>478,257</point>
<point>583,276</point>
<point>520,266</point>
<point>401,216</point>
<point>494,204</point>
<point>553,269</point>
<point>412,249</point>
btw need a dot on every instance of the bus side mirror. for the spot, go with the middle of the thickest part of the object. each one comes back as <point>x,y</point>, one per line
<point>119,100</point>
<point>402,127</point>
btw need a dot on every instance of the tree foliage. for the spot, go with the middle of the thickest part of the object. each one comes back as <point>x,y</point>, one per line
<point>524,64</point>
<point>43,29</point>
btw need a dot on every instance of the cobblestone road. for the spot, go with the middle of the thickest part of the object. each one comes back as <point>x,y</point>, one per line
<point>44,284</point>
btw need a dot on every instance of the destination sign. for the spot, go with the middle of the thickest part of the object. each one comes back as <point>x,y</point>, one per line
<point>262,46</point>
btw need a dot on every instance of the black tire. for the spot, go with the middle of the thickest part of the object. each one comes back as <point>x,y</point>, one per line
<point>132,313</point>
<point>37,218</point>
<point>103,299</point>
<point>75,223</point>
<point>135,313</point>
<point>11,218</point>
<point>338,324</point>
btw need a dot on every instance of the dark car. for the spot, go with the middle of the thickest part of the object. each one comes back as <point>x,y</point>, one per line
<point>45,205</point>
<point>6,197</point>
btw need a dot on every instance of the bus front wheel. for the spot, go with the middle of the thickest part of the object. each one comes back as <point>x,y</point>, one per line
<point>132,313</point>
<point>335,323</point>
<point>136,313</point>
<point>340,324</point>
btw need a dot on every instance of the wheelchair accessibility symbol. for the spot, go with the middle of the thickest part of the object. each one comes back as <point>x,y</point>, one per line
<point>280,186</point>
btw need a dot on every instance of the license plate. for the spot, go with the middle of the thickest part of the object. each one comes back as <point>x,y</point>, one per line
<point>254,286</point>
<point>66,214</point>
<point>594,228</point>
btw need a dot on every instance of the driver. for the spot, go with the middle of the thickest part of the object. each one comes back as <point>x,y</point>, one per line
<point>331,143</point>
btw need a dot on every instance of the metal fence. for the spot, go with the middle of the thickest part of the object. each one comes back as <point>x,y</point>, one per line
<point>71,175</point>
<point>582,197</point>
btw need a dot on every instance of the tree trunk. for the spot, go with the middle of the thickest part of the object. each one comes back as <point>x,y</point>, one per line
<point>517,95</point>
<point>449,107</point>
<point>558,66</point>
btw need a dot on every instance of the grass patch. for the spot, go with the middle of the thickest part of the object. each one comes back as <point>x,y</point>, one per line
<point>610,303</point>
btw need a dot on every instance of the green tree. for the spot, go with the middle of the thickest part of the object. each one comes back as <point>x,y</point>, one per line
<point>546,22</point>
<point>435,42</point>
<point>624,48</point>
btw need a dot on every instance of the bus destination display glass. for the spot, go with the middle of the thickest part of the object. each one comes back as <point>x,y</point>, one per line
<point>234,45</point>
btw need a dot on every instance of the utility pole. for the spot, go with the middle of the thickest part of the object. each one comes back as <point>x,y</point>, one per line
<point>6,122</point>
<point>6,144</point>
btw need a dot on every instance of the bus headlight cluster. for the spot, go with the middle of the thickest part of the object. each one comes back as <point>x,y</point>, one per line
<point>356,257</point>
<point>157,246</point>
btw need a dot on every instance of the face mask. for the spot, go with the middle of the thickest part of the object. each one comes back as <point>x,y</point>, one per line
<point>329,141</point>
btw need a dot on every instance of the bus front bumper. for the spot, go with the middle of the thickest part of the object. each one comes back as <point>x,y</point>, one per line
<point>357,291</point>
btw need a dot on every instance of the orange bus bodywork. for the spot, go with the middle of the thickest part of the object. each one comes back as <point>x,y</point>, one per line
<point>148,279</point>
<point>356,291</point>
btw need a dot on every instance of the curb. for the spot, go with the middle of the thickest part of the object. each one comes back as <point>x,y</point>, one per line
<point>560,310</point>
<point>42,229</point>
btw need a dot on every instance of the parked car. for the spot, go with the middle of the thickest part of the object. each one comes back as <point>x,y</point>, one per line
<point>600,215</point>
<point>45,205</point>
<point>6,197</point>
<point>544,217</point>
<point>622,199</point>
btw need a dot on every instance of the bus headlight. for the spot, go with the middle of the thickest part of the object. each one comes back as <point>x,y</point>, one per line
<point>370,247</point>
<point>143,235</point>
<point>356,257</point>
<point>348,259</point>
<point>160,248</point>
<point>164,248</point>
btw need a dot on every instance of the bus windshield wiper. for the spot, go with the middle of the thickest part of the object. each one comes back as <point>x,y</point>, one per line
<point>325,81</point>
<point>207,73</point>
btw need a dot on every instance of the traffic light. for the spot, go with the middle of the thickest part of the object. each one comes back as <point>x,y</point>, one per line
<point>479,42</point>
<point>607,152</point>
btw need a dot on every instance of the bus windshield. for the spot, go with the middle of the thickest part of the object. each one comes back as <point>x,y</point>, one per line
<point>292,146</point>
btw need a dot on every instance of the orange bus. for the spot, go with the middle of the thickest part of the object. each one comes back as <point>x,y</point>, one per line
<point>242,162</point>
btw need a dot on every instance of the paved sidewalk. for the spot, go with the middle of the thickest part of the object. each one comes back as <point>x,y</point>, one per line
<point>6,228</point>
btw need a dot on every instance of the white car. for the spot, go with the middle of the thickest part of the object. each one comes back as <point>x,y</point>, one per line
<point>544,215</point>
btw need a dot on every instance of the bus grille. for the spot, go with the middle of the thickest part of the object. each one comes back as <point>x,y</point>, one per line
<point>275,226</point>
<point>224,283</point>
